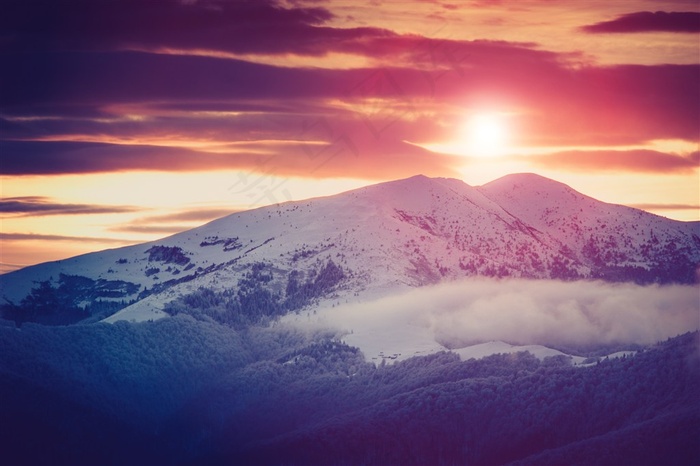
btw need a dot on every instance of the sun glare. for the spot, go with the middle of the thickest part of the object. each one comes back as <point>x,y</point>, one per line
<point>486,135</point>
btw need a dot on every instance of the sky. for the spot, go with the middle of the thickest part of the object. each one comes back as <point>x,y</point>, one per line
<point>123,121</point>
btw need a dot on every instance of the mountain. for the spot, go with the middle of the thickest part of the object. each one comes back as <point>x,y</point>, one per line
<point>363,244</point>
<point>364,364</point>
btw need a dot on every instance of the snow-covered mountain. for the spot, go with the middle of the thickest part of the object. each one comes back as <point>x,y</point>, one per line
<point>369,242</point>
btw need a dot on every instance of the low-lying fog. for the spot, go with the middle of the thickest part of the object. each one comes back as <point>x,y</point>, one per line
<point>544,312</point>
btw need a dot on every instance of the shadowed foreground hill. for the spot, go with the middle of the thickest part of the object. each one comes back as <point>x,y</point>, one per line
<point>639,411</point>
<point>181,391</point>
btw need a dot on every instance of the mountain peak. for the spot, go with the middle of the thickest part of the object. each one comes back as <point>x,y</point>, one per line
<point>531,182</point>
<point>418,193</point>
<point>421,181</point>
<point>529,193</point>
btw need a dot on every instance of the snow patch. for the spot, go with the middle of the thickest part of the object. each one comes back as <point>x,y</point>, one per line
<point>499,347</point>
<point>142,311</point>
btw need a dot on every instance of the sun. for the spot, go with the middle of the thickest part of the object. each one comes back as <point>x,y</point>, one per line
<point>486,134</point>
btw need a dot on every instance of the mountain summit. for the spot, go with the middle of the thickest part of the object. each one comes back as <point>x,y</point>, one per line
<point>369,241</point>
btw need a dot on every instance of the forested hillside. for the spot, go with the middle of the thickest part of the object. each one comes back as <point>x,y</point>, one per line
<point>186,391</point>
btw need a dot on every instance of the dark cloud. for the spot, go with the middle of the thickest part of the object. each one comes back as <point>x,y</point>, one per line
<point>235,26</point>
<point>39,205</point>
<point>341,156</point>
<point>194,215</point>
<point>60,157</point>
<point>151,229</point>
<point>40,237</point>
<point>610,160</point>
<point>7,268</point>
<point>48,158</point>
<point>96,79</point>
<point>168,223</point>
<point>43,83</point>
<point>647,21</point>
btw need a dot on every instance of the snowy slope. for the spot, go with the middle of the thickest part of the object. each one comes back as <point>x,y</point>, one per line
<point>498,347</point>
<point>597,234</point>
<point>389,237</point>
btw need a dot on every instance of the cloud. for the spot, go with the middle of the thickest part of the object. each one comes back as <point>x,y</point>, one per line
<point>611,160</point>
<point>240,26</point>
<point>243,28</point>
<point>647,21</point>
<point>39,205</point>
<point>89,81</point>
<point>545,312</point>
<point>151,229</point>
<point>98,79</point>
<point>194,215</point>
<point>168,223</point>
<point>59,157</point>
<point>358,154</point>
<point>7,268</point>
<point>42,237</point>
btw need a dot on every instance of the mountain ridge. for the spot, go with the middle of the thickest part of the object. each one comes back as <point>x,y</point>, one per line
<point>388,236</point>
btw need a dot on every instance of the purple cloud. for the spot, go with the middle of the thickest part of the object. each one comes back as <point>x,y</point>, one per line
<point>47,158</point>
<point>169,223</point>
<point>342,155</point>
<point>39,205</point>
<point>39,237</point>
<point>241,26</point>
<point>610,160</point>
<point>647,21</point>
<point>195,215</point>
<point>151,229</point>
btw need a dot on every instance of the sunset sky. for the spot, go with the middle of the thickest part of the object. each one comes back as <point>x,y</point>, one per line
<point>123,121</point>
